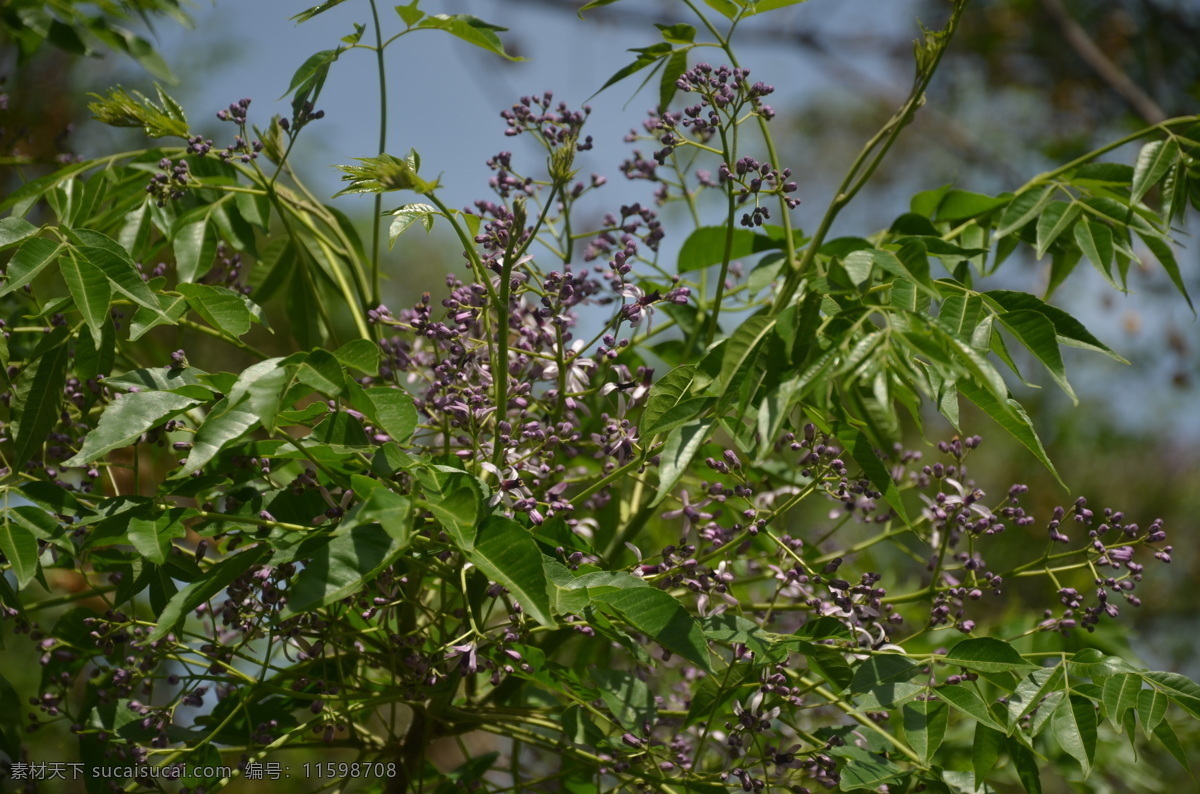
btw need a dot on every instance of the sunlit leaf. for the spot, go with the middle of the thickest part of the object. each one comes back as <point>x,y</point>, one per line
<point>470,29</point>
<point>925,726</point>
<point>1074,725</point>
<point>507,553</point>
<point>1152,163</point>
<point>661,618</point>
<point>126,419</point>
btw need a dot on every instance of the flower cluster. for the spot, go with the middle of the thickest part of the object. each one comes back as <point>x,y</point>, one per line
<point>170,181</point>
<point>725,95</point>
<point>554,127</point>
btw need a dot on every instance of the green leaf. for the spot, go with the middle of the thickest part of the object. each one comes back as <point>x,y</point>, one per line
<point>959,205</point>
<point>1166,734</point>
<point>30,259</point>
<point>987,655</point>
<point>1012,417</point>
<point>1121,695</point>
<point>706,246</point>
<point>171,310</point>
<point>1026,765</point>
<point>304,16</point>
<point>675,65</point>
<point>830,663</point>
<point>918,274</point>
<point>11,705</point>
<point>21,548</point>
<point>457,512</point>
<point>594,4</point>
<point>470,29</point>
<point>959,313</point>
<point>225,310</point>
<point>508,554</point>
<point>310,77</point>
<point>341,431</point>
<point>965,358</point>
<point>223,425</point>
<point>409,214</point>
<point>1103,174</point>
<point>125,419</point>
<point>215,580</point>
<point>455,499</point>
<point>926,202</point>
<point>38,395</point>
<point>1181,690</point>
<point>187,381</point>
<point>1035,331</point>
<point>1151,708</point>
<point>1055,219</point>
<point>858,265</point>
<point>410,13</point>
<point>741,351</point>
<point>13,230</point>
<point>680,448</point>
<point>858,446</point>
<point>763,6</point>
<point>1166,257</point>
<point>823,628</point>
<point>1030,691</point>
<point>864,769</point>
<point>1096,242</point>
<point>89,288</point>
<point>52,498</point>
<point>985,750</point>
<point>571,594</point>
<point>1069,330</point>
<point>1074,726</point>
<point>383,174</point>
<point>360,354</point>
<point>714,691</point>
<point>254,209</point>
<point>627,697</point>
<point>661,618</point>
<point>677,34</point>
<point>389,510</point>
<point>195,247</point>
<point>114,262</point>
<point>322,371</point>
<point>1152,163</point>
<point>392,411</point>
<point>925,727</point>
<point>885,678</point>
<point>341,568</point>
<point>725,8</point>
<point>966,700</point>
<point>152,535</point>
<point>1023,209</point>
<point>646,56</point>
<point>1098,666</point>
<point>668,404</point>
<point>730,629</point>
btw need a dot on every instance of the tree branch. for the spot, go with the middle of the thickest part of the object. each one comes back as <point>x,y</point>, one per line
<point>1099,63</point>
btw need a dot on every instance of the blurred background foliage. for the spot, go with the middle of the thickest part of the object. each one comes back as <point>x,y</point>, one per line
<point>1028,84</point>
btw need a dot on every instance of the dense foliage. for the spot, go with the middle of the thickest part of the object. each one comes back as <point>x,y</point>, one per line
<point>481,515</point>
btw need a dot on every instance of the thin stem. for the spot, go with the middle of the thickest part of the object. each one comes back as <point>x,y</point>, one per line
<point>730,211</point>
<point>383,115</point>
<point>865,163</point>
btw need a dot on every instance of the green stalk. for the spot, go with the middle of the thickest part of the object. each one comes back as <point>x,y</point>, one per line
<point>383,114</point>
<point>865,163</point>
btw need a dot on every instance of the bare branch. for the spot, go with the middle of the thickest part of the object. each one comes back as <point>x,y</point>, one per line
<point>1109,72</point>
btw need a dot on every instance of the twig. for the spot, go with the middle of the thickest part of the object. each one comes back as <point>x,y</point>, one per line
<point>1099,63</point>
